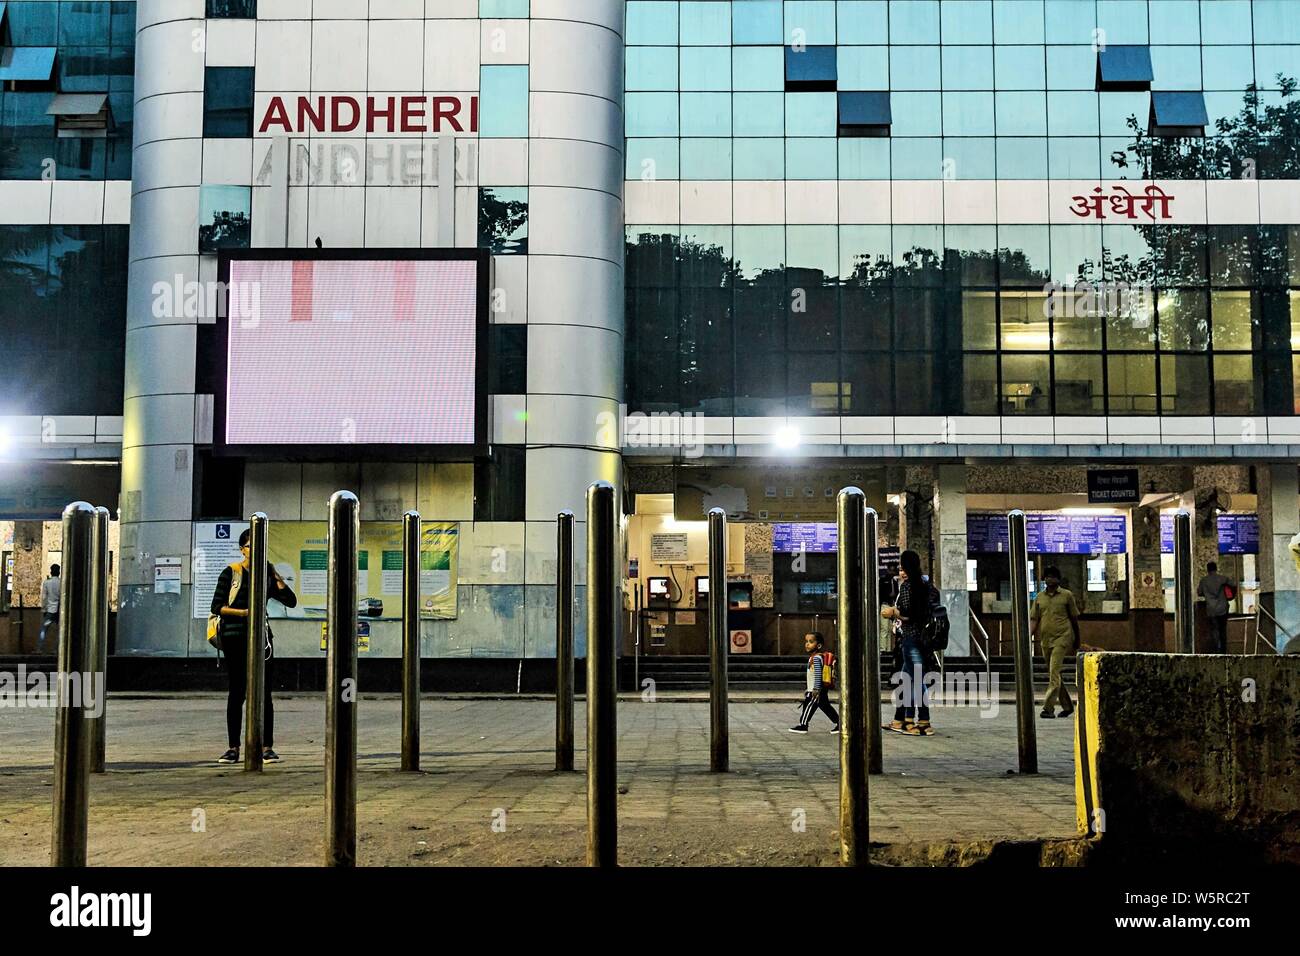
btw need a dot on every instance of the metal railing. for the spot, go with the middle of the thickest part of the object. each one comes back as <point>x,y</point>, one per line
<point>1259,609</point>
<point>985,652</point>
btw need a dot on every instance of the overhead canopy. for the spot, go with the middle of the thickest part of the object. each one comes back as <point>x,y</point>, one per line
<point>77,104</point>
<point>27,63</point>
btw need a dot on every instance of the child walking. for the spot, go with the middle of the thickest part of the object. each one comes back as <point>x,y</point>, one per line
<point>820,679</point>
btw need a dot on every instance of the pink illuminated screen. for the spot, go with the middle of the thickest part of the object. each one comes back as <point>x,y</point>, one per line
<point>351,352</point>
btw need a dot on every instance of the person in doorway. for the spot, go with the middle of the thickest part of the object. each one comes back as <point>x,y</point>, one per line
<point>1217,590</point>
<point>1055,622</point>
<point>49,609</point>
<point>910,614</point>
<point>230,602</point>
<point>820,679</point>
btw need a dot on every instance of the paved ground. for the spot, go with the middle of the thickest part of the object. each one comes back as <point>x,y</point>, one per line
<point>489,795</point>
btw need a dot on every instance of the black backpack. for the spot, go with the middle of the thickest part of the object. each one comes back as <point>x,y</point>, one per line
<point>934,633</point>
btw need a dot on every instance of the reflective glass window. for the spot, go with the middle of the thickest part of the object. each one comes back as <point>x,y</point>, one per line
<point>1183,318</point>
<point>1076,253</point>
<point>917,114</point>
<point>861,21</point>
<point>1017,22</point>
<point>503,101</point>
<point>706,159</point>
<point>1078,387</point>
<point>864,158</point>
<point>914,21</point>
<point>762,159</point>
<point>1176,67</point>
<point>863,68</point>
<point>1022,157</point>
<point>1234,384</point>
<point>810,114</point>
<point>706,68</point>
<point>83,24</point>
<point>1228,21</point>
<point>1232,320</point>
<point>756,22</point>
<point>967,21</point>
<point>810,68</point>
<point>758,114</point>
<point>487,8</point>
<point>1184,385</point>
<point>1026,384</point>
<point>979,385</point>
<point>968,114</point>
<point>1019,68</point>
<point>33,24</point>
<point>810,158</point>
<point>651,68</point>
<point>916,158</point>
<point>967,67</point>
<point>705,24</point>
<point>810,21</point>
<point>1069,21</point>
<point>914,67</point>
<point>706,114</point>
<point>1071,68</point>
<point>969,157</point>
<point>228,102</point>
<point>652,159</point>
<point>1124,21</point>
<point>1174,21</point>
<point>1116,110</point>
<point>864,114</point>
<point>758,68</point>
<point>247,9</point>
<point>1124,67</point>
<point>1072,114</point>
<point>1227,68</point>
<point>1021,113</point>
<point>979,319</point>
<point>1272,61</point>
<point>651,23</point>
<point>1131,384</point>
<point>651,114</point>
<point>503,220</point>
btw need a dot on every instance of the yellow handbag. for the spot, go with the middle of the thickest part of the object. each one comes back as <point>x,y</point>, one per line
<point>214,620</point>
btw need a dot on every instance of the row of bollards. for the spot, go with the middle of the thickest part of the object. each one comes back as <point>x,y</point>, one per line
<point>83,628</point>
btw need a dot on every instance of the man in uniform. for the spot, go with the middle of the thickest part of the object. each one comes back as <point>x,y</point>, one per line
<point>1055,619</point>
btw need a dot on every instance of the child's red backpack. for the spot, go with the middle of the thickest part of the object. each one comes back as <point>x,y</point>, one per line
<point>828,668</point>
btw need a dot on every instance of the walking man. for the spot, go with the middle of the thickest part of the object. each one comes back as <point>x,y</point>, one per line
<point>49,609</point>
<point>1055,619</point>
<point>1217,590</point>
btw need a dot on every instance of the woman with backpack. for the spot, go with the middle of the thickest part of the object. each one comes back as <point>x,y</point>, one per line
<point>911,613</point>
<point>230,609</point>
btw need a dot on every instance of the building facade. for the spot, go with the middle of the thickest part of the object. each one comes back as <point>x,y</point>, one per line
<point>744,252</point>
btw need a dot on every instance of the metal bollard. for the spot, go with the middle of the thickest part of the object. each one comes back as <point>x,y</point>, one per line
<point>72,725</point>
<point>875,759</point>
<point>341,682</point>
<point>719,639</point>
<point>411,532</point>
<point>99,589</point>
<point>255,663</point>
<point>602,690</point>
<point>564,640</point>
<point>852,575</point>
<point>1021,646</point>
<point>1184,590</point>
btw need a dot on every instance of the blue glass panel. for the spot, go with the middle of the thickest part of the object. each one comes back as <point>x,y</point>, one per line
<point>651,68</point>
<point>1124,21</point>
<point>1069,21</point>
<point>969,157</point>
<point>1019,68</point>
<point>967,21</point>
<point>968,114</point>
<point>917,114</point>
<point>1272,60</point>
<point>705,24</point>
<point>758,114</point>
<point>810,114</point>
<point>706,68</point>
<point>503,101</point>
<point>756,22</point>
<point>762,159</point>
<point>706,159</point>
<point>864,158</point>
<point>968,67</point>
<point>652,159</point>
<point>1275,22</point>
<point>33,24</point>
<point>27,64</point>
<point>1072,114</point>
<point>651,23</point>
<point>914,21</point>
<point>1115,110</point>
<point>810,22</point>
<point>1017,22</point>
<point>1021,114</point>
<point>810,158</point>
<point>1176,67</point>
<point>1175,21</point>
<point>706,114</point>
<point>917,158</point>
<point>810,65</point>
<point>1023,157</point>
<point>501,8</point>
<point>865,109</point>
<point>1071,68</point>
<point>863,68</point>
<point>1179,109</point>
<point>651,114</point>
<point>1228,68</point>
<point>914,68</point>
<point>862,21</point>
<point>758,68</point>
<point>1125,64</point>
<point>84,24</point>
<point>1070,158</point>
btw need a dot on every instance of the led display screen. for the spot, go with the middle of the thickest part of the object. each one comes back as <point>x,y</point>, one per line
<point>365,352</point>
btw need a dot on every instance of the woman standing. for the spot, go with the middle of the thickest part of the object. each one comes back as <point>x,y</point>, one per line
<point>911,612</point>
<point>230,602</point>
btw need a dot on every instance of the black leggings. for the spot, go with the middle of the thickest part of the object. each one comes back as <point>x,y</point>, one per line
<point>813,702</point>
<point>236,653</point>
